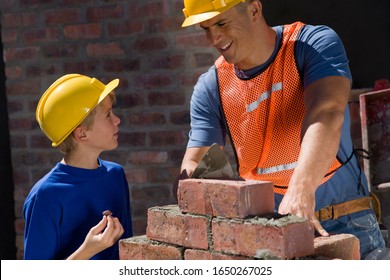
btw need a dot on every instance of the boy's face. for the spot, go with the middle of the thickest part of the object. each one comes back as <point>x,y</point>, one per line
<point>103,135</point>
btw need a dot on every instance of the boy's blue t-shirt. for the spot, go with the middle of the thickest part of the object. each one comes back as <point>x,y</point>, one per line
<point>319,53</point>
<point>67,202</point>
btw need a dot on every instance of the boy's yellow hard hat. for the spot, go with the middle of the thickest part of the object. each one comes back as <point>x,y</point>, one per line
<point>197,11</point>
<point>67,102</point>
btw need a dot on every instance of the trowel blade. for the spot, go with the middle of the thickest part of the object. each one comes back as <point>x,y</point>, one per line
<point>214,165</point>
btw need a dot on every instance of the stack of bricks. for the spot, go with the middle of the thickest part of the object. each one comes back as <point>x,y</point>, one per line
<point>230,220</point>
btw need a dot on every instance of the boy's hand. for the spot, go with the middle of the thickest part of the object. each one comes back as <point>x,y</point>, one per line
<point>99,237</point>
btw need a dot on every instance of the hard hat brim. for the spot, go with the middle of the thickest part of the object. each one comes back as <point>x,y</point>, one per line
<point>194,19</point>
<point>109,88</point>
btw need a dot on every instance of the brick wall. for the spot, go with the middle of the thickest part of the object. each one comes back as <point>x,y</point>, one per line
<point>139,42</point>
<point>234,224</point>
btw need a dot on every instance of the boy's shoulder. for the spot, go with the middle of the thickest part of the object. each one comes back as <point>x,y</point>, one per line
<point>110,164</point>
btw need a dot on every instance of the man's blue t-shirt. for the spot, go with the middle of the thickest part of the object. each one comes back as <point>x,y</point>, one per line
<point>319,53</point>
<point>67,202</point>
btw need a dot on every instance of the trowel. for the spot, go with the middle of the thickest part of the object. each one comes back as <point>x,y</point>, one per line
<point>214,165</point>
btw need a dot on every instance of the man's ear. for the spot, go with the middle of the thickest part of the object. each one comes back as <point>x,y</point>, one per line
<point>255,7</point>
<point>79,134</point>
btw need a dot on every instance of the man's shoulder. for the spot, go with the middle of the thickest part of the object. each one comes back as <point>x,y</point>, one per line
<point>313,33</point>
<point>207,81</point>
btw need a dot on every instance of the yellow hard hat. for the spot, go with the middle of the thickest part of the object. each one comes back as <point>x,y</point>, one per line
<point>197,11</point>
<point>67,102</point>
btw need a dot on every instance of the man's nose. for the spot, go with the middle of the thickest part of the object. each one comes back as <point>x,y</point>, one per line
<point>214,36</point>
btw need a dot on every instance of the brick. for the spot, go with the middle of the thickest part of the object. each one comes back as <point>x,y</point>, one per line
<point>124,29</point>
<point>161,175</point>
<point>62,16</point>
<point>141,248</point>
<point>189,40</point>
<point>83,31</point>
<point>284,238</point>
<point>132,139</point>
<point>150,44</point>
<point>144,118</point>
<point>22,53</point>
<point>192,254</point>
<point>104,12</point>
<point>167,224</point>
<point>167,62</point>
<point>118,65</point>
<point>15,20</point>
<point>341,246</point>
<point>98,49</point>
<point>166,98</point>
<point>229,199</point>
<point>166,138</point>
<point>146,157</point>
<point>180,118</point>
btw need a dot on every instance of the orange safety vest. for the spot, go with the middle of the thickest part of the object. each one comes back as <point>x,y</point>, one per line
<point>264,116</point>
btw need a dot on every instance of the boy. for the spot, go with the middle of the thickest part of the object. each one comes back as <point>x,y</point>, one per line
<point>63,211</point>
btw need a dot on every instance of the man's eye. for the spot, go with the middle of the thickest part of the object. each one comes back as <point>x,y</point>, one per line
<point>221,23</point>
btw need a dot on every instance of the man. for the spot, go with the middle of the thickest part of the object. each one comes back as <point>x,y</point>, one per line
<point>281,95</point>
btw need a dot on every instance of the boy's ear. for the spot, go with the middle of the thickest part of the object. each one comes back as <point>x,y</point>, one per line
<point>79,134</point>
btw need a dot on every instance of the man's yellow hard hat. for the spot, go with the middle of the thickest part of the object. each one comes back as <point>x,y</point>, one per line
<point>197,11</point>
<point>67,102</point>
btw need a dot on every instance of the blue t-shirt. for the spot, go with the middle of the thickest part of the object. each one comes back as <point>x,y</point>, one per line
<point>319,53</point>
<point>67,202</point>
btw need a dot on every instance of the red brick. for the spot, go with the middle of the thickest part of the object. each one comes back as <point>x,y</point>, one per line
<point>341,246</point>
<point>137,175</point>
<point>167,224</point>
<point>123,29</point>
<point>150,44</point>
<point>166,98</point>
<point>15,20</point>
<point>62,16</point>
<point>189,40</point>
<point>230,199</point>
<point>22,53</point>
<point>284,238</point>
<point>144,118</point>
<point>104,12</point>
<point>99,49</point>
<point>191,254</point>
<point>141,248</point>
<point>166,138</point>
<point>83,31</point>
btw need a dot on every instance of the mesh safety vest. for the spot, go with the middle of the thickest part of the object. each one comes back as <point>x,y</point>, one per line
<point>264,115</point>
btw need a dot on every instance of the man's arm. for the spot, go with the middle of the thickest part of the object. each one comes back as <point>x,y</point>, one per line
<point>325,101</point>
<point>191,159</point>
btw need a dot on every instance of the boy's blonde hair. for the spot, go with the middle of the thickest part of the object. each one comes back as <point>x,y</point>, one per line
<point>69,144</point>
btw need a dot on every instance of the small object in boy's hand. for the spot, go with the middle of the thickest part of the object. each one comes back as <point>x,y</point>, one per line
<point>107,213</point>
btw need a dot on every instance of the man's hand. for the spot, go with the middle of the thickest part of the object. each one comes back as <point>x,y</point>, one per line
<point>301,204</point>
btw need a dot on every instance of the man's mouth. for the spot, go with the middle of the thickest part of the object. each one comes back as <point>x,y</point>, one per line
<point>226,46</point>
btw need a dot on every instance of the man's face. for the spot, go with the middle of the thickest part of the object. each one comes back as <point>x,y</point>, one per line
<point>231,34</point>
